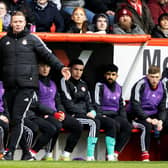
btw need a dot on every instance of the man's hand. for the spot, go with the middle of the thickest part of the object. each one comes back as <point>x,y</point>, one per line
<point>160,125</point>
<point>4,118</point>
<point>154,121</point>
<point>149,120</point>
<point>90,114</point>
<point>66,73</point>
<point>110,12</point>
<point>60,115</point>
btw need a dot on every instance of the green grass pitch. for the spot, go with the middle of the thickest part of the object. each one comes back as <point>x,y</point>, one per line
<point>82,164</point>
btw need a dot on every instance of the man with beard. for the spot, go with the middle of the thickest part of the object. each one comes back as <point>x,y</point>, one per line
<point>110,109</point>
<point>125,23</point>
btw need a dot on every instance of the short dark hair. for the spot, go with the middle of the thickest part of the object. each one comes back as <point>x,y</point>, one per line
<point>76,62</point>
<point>111,68</point>
<point>153,69</point>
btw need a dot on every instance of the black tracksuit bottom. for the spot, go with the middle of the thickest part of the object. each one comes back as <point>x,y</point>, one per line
<point>74,128</point>
<point>18,101</point>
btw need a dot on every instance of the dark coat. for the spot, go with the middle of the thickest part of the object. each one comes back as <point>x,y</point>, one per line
<point>75,97</point>
<point>157,33</point>
<point>19,54</point>
<point>21,5</point>
<point>45,17</point>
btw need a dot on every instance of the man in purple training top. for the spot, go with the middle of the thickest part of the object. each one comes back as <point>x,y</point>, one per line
<point>148,107</point>
<point>110,111</point>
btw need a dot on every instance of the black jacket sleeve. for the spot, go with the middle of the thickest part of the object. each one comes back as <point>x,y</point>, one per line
<point>43,52</point>
<point>136,103</point>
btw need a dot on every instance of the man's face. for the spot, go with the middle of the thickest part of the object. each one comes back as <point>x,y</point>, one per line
<point>44,69</point>
<point>125,21</point>
<point>154,79</point>
<point>110,77</point>
<point>164,23</point>
<point>42,2</point>
<point>101,24</point>
<point>77,71</point>
<point>18,23</point>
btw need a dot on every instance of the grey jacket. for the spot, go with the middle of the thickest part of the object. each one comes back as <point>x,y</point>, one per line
<point>135,30</point>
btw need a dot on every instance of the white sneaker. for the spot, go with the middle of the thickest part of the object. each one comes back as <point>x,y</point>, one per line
<point>116,156</point>
<point>90,158</point>
<point>146,160</point>
<point>111,158</point>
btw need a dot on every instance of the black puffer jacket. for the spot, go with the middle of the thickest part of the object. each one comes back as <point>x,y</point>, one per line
<point>19,54</point>
<point>75,97</point>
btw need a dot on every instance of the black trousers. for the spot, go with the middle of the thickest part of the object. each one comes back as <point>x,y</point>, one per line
<point>18,101</point>
<point>74,128</point>
<point>123,132</point>
<point>146,133</point>
<point>4,129</point>
<point>47,132</point>
<point>108,124</point>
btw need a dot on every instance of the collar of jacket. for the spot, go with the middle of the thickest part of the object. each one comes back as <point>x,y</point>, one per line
<point>18,35</point>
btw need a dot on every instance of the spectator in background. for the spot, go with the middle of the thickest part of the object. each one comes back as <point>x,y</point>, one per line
<point>140,13</point>
<point>45,14</point>
<point>111,112</point>
<point>161,29</point>
<point>4,121</point>
<point>58,3</point>
<point>77,19</point>
<point>157,7</point>
<point>69,5</point>
<point>148,107</point>
<point>103,6</point>
<point>4,16</point>
<point>125,23</point>
<point>21,5</point>
<point>100,24</point>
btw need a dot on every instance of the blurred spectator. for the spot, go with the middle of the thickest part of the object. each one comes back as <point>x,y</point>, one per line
<point>100,24</point>
<point>21,5</point>
<point>125,24</point>
<point>69,5</point>
<point>4,16</point>
<point>140,14</point>
<point>46,13</point>
<point>58,3</point>
<point>157,7</point>
<point>77,19</point>
<point>161,29</point>
<point>103,6</point>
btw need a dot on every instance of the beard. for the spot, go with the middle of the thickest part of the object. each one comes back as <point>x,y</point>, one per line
<point>126,25</point>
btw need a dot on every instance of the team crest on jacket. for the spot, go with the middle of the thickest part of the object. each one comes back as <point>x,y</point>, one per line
<point>24,42</point>
<point>8,43</point>
<point>83,89</point>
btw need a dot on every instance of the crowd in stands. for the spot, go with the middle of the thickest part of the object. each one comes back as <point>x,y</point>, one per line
<point>80,16</point>
<point>34,108</point>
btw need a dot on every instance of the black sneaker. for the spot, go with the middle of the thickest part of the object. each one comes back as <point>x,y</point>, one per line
<point>27,156</point>
<point>8,156</point>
